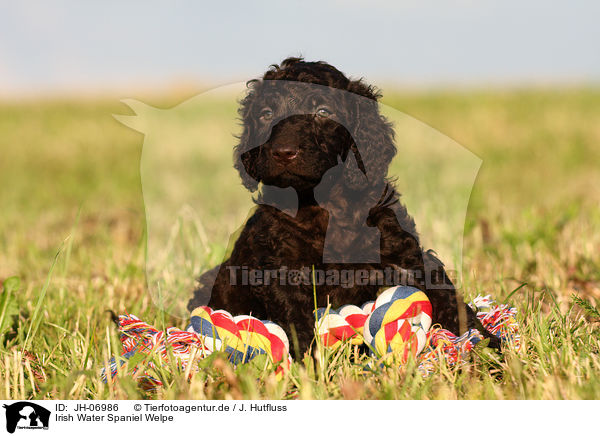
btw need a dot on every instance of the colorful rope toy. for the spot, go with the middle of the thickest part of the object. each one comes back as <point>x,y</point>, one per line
<point>242,337</point>
<point>399,323</point>
<point>395,326</point>
<point>336,326</point>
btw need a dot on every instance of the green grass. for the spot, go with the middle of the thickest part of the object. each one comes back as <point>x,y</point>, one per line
<point>73,232</point>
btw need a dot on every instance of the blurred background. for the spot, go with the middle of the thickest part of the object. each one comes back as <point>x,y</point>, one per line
<point>74,47</point>
<point>515,83</point>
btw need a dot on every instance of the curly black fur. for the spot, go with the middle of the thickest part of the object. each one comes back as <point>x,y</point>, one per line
<point>321,134</point>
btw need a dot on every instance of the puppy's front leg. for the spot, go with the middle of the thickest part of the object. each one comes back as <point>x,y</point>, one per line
<point>400,248</point>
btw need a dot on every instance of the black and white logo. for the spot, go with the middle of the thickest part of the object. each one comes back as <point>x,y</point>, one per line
<point>26,415</point>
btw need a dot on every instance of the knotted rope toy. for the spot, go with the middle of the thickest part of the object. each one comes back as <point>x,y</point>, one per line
<point>242,338</point>
<point>395,326</point>
<point>497,319</point>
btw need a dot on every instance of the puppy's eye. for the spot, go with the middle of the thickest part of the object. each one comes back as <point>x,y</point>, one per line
<point>266,114</point>
<point>323,112</point>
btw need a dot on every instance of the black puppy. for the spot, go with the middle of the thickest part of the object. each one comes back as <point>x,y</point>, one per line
<point>317,143</point>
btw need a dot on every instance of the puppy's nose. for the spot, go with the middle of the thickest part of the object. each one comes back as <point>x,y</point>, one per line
<point>284,153</point>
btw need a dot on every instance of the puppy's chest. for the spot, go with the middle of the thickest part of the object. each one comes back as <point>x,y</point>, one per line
<point>292,240</point>
<point>309,238</point>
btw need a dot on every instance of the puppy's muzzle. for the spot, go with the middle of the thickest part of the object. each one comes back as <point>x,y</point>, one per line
<point>284,153</point>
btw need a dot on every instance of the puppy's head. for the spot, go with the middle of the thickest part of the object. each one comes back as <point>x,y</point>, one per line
<point>304,118</point>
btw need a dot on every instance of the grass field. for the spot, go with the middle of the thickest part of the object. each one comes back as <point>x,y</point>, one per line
<point>72,220</point>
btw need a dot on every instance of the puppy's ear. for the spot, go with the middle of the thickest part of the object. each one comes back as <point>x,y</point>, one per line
<point>373,136</point>
<point>245,164</point>
<point>245,153</point>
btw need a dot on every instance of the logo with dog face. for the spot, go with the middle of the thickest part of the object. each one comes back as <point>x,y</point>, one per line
<point>26,415</point>
<point>195,199</point>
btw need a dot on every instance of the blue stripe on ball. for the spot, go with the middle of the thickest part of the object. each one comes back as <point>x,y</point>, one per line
<point>235,356</point>
<point>252,352</point>
<point>376,318</point>
<point>402,292</point>
<point>204,327</point>
<point>322,311</point>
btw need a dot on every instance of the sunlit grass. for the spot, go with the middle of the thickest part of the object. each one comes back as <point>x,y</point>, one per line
<point>73,229</point>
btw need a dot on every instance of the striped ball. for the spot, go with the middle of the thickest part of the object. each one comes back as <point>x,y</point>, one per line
<point>398,324</point>
<point>344,324</point>
<point>242,337</point>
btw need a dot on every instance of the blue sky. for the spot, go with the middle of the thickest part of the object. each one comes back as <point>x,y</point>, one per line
<point>74,45</point>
